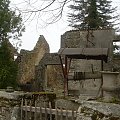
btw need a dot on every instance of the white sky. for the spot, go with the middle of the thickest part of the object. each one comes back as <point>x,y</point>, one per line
<point>52,33</point>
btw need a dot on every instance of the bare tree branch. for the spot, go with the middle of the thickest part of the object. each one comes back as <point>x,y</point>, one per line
<point>49,11</point>
<point>38,10</point>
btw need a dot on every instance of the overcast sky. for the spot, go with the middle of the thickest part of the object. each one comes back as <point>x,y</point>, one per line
<point>52,33</point>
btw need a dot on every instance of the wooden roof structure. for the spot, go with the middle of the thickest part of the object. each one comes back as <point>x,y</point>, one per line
<point>79,53</point>
<point>85,53</point>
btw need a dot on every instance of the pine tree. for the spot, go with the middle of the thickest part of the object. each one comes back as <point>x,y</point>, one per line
<point>91,14</point>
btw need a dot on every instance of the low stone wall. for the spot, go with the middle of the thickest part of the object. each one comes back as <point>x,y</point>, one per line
<point>67,104</point>
<point>86,110</point>
<point>9,105</point>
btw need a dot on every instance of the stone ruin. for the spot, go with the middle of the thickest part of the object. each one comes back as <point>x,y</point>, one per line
<point>49,73</point>
<point>27,60</point>
<point>38,65</point>
<point>87,39</point>
<point>43,69</point>
<point>90,39</point>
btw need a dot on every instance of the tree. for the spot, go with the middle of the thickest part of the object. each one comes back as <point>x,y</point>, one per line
<point>8,67</point>
<point>10,26</point>
<point>116,50</point>
<point>10,23</point>
<point>91,14</point>
<point>51,11</point>
<point>45,11</point>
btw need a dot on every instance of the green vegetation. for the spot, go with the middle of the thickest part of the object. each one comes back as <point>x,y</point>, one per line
<point>10,27</point>
<point>10,23</point>
<point>91,14</point>
<point>116,51</point>
<point>115,101</point>
<point>8,67</point>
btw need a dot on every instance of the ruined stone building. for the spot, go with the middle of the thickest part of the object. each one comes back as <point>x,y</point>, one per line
<point>49,74</point>
<point>39,67</point>
<point>87,39</point>
<point>27,60</point>
<point>44,70</point>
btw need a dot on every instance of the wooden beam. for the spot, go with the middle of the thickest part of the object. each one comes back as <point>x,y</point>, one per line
<point>66,77</point>
<point>84,76</point>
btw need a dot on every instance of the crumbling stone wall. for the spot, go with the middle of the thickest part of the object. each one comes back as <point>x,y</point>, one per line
<point>7,109</point>
<point>10,105</point>
<point>54,77</point>
<point>116,64</point>
<point>49,73</point>
<point>88,39</point>
<point>27,60</point>
<point>85,38</point>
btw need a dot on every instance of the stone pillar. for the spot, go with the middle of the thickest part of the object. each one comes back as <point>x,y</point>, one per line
<point>110,85</point>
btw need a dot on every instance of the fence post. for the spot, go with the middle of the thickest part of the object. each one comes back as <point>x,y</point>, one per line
<point>30,109</point>
<point>25,109</point>
<point>35,113</point>
<point>50,110</point>
<point>66,114</point>
<point>21,110</point>
<point>72,115</point>
<point>40,112</point>
<point>61,115</point>
<point>45,111</point>
<point>56,112</point>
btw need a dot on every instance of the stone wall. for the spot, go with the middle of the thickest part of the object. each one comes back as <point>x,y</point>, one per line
<point>27,60</point>
<point>116,64</point>
<point>91,38</point>
<point>88,39</point>
<point>43,68</point>
<point>54,77</point>
<point>86,110</point>
<point>9,105</point>
<point>49,73</point>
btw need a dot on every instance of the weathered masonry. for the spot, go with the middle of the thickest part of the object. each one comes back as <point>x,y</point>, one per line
<point>27,60</point>
<point>87,39</point>
<point>81,53</point>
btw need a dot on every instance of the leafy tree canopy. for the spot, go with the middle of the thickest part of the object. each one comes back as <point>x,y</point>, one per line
<point>10,26</point>
<point>10,23</point>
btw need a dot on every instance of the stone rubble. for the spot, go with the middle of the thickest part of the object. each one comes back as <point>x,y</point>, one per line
<point>92,110</point>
